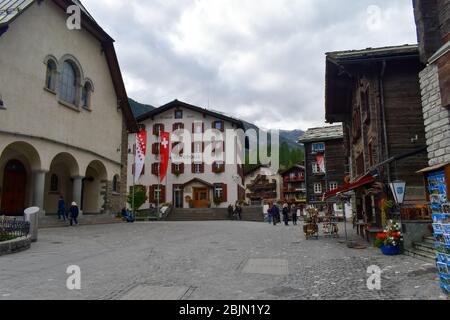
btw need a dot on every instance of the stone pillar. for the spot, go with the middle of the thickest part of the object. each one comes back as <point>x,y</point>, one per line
<point>77,192</point>
<point>39,190</point>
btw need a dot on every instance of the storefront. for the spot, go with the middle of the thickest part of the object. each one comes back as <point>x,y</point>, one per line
<point>437,181</point>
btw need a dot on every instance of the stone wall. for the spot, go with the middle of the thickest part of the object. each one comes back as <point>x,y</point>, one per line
<point>437,118</point>
<point>14,246</point>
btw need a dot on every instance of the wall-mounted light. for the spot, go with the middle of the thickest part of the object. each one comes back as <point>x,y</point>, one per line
<point>2,105</point>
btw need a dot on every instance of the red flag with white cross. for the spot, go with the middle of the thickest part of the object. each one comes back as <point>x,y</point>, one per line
<point>141,151</point>
<point>164,154</point>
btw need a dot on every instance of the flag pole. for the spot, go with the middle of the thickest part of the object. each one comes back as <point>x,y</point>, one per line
<point>134,178</point>
<point>159,173</point>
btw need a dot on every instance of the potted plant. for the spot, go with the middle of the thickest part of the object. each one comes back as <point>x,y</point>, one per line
<point>217,201</point>
<point>390,240</point>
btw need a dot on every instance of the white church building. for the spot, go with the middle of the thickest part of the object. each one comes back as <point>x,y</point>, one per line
<point>64,112</point>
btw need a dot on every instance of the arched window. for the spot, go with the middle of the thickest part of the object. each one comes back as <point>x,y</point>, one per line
<point>54,183</point>
<point>86,95</point>
<point>68,83</point>
<point>115,184</point>
<point>50,78</point>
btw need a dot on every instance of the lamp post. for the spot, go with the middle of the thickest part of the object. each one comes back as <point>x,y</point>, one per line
<point>398,189</point>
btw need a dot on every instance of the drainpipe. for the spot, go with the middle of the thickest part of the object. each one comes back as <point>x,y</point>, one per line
<point>383,115</point>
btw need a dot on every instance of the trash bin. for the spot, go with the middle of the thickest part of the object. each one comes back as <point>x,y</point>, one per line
<point>32,216</point>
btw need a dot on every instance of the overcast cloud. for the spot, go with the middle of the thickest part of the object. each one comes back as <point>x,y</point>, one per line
<point>261,60</point>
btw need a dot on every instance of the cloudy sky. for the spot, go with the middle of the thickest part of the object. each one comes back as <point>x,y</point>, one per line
<point>260,60</point>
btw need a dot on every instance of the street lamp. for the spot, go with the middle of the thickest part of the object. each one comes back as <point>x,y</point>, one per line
<point>398,189</point>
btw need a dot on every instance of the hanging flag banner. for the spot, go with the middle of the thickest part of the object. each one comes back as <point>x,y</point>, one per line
<point>141,151</point>
<point>321,162</point>
<point>164,154</point>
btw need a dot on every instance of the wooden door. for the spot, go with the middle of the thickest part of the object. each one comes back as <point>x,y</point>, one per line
<point>14,188</point>
<point>201,197</point>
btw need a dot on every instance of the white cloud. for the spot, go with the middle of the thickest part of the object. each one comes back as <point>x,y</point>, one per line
<point>261,60</point>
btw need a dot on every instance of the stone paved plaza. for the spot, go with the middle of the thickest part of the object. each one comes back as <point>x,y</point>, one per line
<point>206,260</point>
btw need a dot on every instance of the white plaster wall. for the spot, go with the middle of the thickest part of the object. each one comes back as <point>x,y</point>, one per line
<point>38,32</point>
<point>168,120</point>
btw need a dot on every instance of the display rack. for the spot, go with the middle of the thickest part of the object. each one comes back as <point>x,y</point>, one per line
<point>330,227</point>
<point>440,206</point>
<point>311,226</point>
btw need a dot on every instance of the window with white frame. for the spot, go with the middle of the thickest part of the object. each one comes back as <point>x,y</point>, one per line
<point>157,192</point>
<point>318,147</point>
<point>198,147</point>
<point>198,168</point>
<point>318,188</point>
<point>198,127</point>
<point>178,114</point>
<point>50,78</point>
<point>333,186</point>
<point>68,83</point>
<point>316,168</point>
<point>218,192</point>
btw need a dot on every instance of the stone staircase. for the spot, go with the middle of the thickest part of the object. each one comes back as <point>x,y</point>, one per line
<point>424,250</point>
<point>214,214</point>
<point>88,219</point>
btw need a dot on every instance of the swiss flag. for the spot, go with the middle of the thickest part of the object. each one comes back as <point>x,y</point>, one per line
<point>164,154</point>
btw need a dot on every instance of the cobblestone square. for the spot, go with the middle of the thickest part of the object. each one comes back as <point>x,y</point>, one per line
<point>207,260</point>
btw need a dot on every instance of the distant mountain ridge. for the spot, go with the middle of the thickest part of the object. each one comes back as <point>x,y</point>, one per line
<point>290,137</point>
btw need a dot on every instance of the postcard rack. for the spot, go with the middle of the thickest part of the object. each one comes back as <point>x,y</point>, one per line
<point>440,206</point>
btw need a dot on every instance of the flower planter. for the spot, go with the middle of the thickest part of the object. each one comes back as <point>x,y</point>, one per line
<point>390,251</point>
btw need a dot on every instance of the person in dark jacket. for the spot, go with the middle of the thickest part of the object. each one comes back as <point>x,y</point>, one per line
<point>286,214</point>
<point>294,215</point>
<point>275,214</point>
<point>239,211</point>
<point>73,214</point>
<point>61,208</point>
<point>230,212</point>
<point>127,215</point>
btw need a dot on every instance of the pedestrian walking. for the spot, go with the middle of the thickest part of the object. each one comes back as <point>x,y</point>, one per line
<point>230,212</point>
<point>275,214</point>
<point>74,211</point>
<point>61,208</point>
<point>270,214</point>
<point>294,215</point>
<point>239,211</point>
<point>286,214</point>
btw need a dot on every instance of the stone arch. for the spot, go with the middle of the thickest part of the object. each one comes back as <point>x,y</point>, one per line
<point>18,154</point>
<point>95,182</point>
<point>59,181</point>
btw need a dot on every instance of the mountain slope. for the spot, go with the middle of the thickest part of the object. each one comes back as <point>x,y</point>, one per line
<point>139,109</point>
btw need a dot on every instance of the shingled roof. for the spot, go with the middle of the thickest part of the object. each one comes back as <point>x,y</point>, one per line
<point>323,134</point>
<point>10,10</point>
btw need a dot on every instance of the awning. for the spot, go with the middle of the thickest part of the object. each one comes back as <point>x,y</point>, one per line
<point>349,187</point>
<point>434,168</point>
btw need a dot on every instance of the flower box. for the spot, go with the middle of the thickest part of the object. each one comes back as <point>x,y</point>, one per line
<point>390,250</point>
